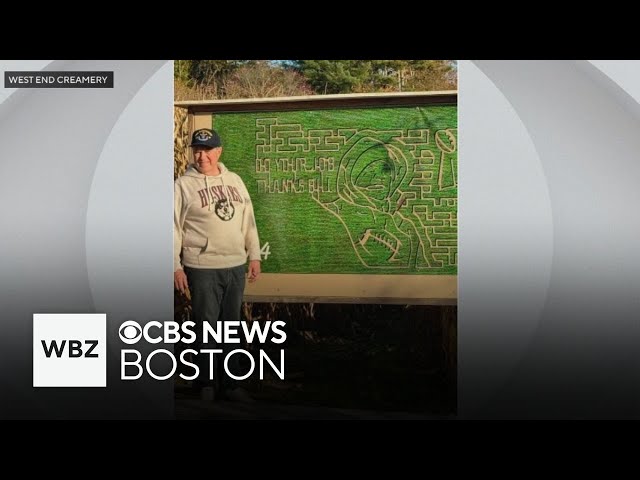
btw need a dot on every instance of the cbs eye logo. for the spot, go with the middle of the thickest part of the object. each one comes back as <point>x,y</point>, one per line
<point>130,332</point>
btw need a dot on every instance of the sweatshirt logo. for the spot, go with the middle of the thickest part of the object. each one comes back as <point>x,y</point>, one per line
<point>225,209</point>
<point>217,193</point>
<point>222,197</point>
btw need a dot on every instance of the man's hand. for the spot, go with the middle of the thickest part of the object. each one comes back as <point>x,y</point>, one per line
<point>180,281</point>
<point>254,270</point>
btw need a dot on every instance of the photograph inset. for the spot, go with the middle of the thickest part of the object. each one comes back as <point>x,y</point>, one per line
<point>353,185</point>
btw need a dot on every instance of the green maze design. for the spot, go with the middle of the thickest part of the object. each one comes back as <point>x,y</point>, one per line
<point>370,190</point>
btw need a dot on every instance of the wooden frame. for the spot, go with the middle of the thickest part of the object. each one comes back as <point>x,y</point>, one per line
<point>337,288</point>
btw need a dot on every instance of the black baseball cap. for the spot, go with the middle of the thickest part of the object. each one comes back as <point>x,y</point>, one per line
<point>205,137</point>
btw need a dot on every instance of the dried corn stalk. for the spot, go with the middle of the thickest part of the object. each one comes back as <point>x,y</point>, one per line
<point>180,141</point>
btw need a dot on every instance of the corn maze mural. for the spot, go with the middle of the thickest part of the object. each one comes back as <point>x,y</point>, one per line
<point>368,190</point>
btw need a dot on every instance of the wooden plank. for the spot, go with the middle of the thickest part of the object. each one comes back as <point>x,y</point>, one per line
<point>354,288</point>
<point>319,102</point>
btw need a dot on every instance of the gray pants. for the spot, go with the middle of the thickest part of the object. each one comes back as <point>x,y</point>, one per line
<point>216,295</point>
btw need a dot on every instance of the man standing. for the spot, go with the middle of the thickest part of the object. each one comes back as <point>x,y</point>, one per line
<point>214,230</point>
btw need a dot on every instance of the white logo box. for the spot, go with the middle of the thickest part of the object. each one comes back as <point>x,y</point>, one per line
<point>78,361</point>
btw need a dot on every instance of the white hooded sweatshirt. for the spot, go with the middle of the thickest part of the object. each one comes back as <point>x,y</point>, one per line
<point>213,222</point>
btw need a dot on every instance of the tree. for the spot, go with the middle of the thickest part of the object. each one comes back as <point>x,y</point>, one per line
<point>204,71</point>
<point>334,76</point>
<point>262,79</point>
<point>202,78</point>
<point>413,75</point>
<point>432,75</point>
<point>346,76</point>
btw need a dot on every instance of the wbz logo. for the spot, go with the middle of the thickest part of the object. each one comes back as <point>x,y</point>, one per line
<point>69,350</point>
<point>74,350</point>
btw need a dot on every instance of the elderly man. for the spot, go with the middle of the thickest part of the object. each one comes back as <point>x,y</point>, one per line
<point>214,232</point>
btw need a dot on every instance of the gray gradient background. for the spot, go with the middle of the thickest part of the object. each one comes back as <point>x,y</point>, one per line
<point>549,278</point>
<point>86,182</point>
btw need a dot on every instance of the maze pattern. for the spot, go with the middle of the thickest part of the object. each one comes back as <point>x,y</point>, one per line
<point>352,200</point>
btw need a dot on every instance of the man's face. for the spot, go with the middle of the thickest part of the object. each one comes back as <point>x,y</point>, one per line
<point>373,172</point>
<point>206,159</point>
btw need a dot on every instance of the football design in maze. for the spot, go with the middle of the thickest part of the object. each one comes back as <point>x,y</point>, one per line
<point>386,195</point>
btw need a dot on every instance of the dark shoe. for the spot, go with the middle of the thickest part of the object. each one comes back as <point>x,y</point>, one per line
<point>239,395</point>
